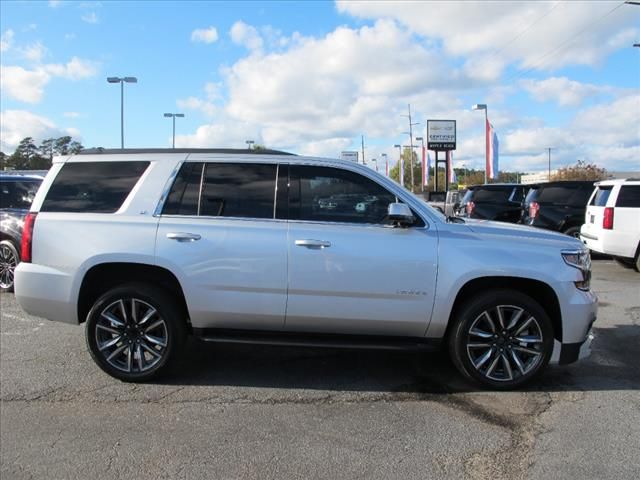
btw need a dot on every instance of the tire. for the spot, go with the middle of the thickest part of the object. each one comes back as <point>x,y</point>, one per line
<point>637,265</point>
<point>9,259</point>
<point>625,262</point>
<point>573,232</point>
<point>495,359</point>
<point>127,339</point>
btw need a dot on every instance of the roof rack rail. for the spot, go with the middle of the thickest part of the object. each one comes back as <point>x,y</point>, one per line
<point>111,151</point>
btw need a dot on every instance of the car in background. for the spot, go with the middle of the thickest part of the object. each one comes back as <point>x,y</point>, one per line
<point>501,202</point>
<point>612,221</point>
<point>558,206</point>
<point>17,191</point>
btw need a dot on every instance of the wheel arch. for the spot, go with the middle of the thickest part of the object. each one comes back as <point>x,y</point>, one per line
<point>105,276</point>
<point>537,290</point>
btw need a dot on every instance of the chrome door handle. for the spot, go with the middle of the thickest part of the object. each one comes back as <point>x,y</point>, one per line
<point>309,243</point>
<point>183,236</point>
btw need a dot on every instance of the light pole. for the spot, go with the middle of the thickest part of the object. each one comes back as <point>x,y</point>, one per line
<point>173,116</point>
<point>400,165</point>
<point>249,143</point>
<point>375,160</point>
<point>410,133</point>
<point>122,81</point>
<point>549,150</point>
<point>386,163</point>
<point>482,106</point>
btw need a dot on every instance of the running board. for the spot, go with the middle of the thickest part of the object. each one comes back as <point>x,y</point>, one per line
<point>302,339</point>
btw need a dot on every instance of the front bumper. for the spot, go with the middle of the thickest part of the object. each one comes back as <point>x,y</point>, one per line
<point>566,353</point>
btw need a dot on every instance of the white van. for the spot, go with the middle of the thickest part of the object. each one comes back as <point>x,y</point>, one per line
<point>612,222</point>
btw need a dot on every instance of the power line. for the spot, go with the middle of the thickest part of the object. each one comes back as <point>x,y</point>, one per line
<point>556,50</point>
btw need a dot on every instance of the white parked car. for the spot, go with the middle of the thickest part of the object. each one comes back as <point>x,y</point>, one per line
<point>612,222</point>
<point>148,246</point>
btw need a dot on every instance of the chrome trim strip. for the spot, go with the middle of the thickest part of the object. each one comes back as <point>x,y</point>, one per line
<point>590,237</point>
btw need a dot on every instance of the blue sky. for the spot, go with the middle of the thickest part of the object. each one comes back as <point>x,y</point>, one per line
<point>312,77</point>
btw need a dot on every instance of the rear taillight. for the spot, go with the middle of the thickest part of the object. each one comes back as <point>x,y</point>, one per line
<point>534,209</point>
<point>607,219</point>
<point>470,207</point>
<point>27,237</point>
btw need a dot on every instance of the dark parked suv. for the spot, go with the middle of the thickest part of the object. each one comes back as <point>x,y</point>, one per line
<point>558,206</point>
<point>16,194</point>
<point>498,201</point>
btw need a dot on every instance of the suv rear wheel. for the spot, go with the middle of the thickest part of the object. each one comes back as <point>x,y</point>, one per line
<point>134,332</point>
<point>501,339</point>
<point>9,259</point>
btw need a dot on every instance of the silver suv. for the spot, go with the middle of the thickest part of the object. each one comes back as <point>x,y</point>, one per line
<point>149,246</point>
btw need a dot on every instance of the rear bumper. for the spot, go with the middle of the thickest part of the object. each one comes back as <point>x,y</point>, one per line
<point>609,242</point>
<point>45,292</point>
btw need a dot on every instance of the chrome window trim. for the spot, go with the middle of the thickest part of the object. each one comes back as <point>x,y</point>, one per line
<point>167,189</point>
<point>204,168</point>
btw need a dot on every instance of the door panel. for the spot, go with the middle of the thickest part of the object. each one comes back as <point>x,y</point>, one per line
<point>370,280</point>
<point>234,276</point>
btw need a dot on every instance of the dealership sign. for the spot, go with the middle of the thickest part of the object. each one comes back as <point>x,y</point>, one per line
<point>441,135</point>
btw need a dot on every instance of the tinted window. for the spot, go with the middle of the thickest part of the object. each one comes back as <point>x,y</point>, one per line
<point>629,196</point>
<point>492,195</point>
<point>18,194</point>
<point>238,190</point>
<point>601,196</point>
<point>185,192</point>
<point>94,187</point>
<point>532,195</point>
<point>556,194</point>
<point>517,195</point>
<point>334,195</point>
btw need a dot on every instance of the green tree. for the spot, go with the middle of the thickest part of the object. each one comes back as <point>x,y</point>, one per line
<point>580,171</point>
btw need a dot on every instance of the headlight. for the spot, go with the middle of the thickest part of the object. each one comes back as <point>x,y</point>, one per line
<point>580,259</point>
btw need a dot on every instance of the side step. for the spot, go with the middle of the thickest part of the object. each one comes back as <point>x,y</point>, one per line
<point>303,339</point>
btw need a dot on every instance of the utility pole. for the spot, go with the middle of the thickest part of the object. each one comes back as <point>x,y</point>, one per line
<point>410,133</point>
<point>549,150</point>
<point>362,138</point>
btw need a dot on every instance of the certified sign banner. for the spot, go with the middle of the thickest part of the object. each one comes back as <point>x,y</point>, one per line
<point>441,134</point>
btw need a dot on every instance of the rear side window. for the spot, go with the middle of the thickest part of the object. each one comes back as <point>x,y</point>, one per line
<point>240,190</point>
<point>532,195</point>
<point>601,196</point>
<point>18,194</point>
<point>334,195</point>
<point>93,187</point>
<point>629,196</point>
<point>557,194</point>
<point>492,195</point>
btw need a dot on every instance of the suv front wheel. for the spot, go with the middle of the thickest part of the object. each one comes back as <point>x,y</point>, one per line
<point>134,332</point>
<point>501,339</point>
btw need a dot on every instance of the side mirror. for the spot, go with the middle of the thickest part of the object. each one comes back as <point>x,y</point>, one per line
<point>400,214</point>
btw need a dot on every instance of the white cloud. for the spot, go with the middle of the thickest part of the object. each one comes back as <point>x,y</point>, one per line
<point>565,92</point>
<point>194,103</point>
<point>6,40</point>
<point>205,35</point>
<point>223,135</point>
<point>610,124</point>
<point>71,114</point>
<point>23,85</point>
<point>91,17</point>
<point>34,52</point>
<point>18,124</point>
<point>246,35</point>
<point>74,69</point>
<point>564,33</point>
<point>28,85</point>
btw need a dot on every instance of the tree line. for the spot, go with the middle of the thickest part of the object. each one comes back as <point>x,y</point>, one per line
<point>29,156</point>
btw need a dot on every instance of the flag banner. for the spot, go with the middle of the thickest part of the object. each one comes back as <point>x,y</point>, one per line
<point>492,152</point>
<point>453,178</point>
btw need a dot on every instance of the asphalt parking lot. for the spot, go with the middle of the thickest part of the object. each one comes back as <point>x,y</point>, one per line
<point>268,412</point>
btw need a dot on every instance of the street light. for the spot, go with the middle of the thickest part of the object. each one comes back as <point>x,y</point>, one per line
<point>122,81</point>
<point>174,115</point>
<point>400,165</point>
<point>386,163</point>
<point>482,106</point>
<point>249,143</point>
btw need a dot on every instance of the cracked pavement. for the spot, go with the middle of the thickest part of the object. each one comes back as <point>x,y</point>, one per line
<point>274,412</point>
